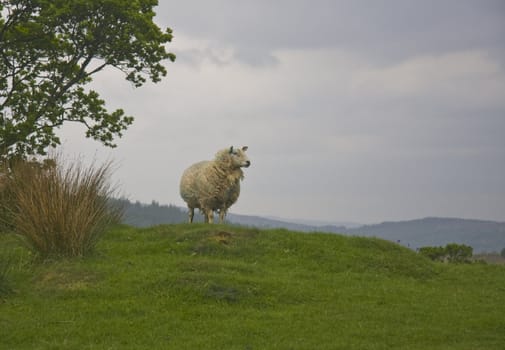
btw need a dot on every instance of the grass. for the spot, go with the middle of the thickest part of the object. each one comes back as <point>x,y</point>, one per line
<point>4,271</point>
<point>224,287</point>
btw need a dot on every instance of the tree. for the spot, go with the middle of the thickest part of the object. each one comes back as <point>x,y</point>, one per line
<point>49,51</point>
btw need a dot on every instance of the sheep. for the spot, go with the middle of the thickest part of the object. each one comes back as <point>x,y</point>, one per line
<point>214,185</point>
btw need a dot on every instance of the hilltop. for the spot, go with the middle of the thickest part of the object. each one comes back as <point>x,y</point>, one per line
<point>229,287</point>
<point>483,236</point>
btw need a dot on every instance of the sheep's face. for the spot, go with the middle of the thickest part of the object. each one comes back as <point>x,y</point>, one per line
<point>238,157</point>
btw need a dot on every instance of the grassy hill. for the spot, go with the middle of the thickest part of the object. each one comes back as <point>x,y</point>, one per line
<point>482,236</point>
<point>225,287</point>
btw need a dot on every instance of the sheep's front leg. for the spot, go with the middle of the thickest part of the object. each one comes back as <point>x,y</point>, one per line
<point>191,214</point>
<point>209,216</point>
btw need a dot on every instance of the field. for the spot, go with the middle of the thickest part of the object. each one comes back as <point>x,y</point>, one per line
<point>225,287</point>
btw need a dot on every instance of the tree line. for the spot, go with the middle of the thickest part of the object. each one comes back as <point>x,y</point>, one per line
<point>144,215</point>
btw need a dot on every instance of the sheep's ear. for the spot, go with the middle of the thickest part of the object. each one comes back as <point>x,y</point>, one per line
<point>231,149</point>
<point>245,148</point>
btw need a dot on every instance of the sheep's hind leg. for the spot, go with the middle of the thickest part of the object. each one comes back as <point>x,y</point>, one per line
<point>222,215</point>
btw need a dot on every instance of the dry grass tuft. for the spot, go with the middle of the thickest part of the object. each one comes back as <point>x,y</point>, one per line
<point>60,209</point>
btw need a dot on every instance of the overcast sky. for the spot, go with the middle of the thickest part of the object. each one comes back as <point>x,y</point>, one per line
<point>361,111</point>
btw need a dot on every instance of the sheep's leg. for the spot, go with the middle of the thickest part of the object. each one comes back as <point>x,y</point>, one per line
<point>222,214</point>
<point>210,216</point>
<point>205,214</point>
<point>191,213</point>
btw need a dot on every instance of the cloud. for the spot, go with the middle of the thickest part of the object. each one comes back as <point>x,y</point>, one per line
<point>450,77</point>
<point>352,111</point>
<point>385,31</point>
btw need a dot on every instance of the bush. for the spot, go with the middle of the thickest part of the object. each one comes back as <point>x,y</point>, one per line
<point>454,253</point>
<point>60,210</point>
<point>434,253</point>
<point>458,253</point>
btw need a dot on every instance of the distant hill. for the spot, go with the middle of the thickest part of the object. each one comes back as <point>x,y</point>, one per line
<point>262,222</point>
<point>144,215</point>
<point>483,236</point>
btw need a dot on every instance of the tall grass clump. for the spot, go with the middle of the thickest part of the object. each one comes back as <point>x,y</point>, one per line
<point>61,209</point>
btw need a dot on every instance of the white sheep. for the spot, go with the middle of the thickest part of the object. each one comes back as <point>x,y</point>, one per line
<point>214,185</point>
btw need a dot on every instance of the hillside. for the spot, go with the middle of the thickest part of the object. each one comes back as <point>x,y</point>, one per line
<point>228,287</point>
<point>483,236</point>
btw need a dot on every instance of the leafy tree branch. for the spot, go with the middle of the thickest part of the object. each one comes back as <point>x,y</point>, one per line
<point>49,51</point>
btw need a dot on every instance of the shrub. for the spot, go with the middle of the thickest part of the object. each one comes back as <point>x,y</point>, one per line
<point>454,253</point>
<point>434,253</point>
<point>61,210</point>
<point>458,253</point>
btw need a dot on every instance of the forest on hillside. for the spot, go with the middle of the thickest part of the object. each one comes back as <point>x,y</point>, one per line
<point>144,215</point>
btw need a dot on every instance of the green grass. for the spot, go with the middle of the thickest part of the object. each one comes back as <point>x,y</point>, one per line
<point>224,287</point>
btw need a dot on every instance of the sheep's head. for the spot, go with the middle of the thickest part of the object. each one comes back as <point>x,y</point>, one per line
<point>239,157</point>
<point>236,157</point>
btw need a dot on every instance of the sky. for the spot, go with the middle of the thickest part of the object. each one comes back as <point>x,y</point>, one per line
<point>353,111</point>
